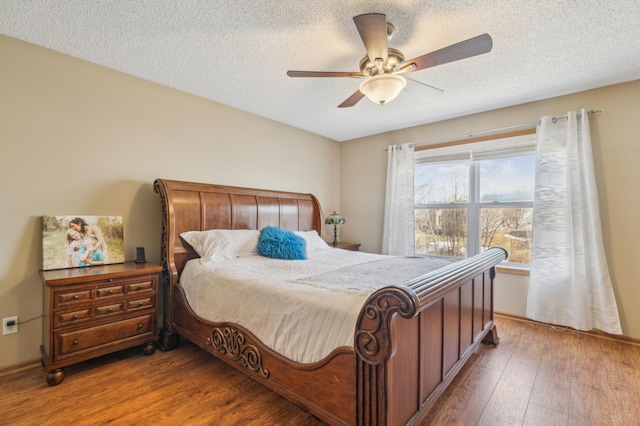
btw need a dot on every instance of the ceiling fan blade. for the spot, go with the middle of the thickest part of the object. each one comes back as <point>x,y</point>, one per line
<point>373,32</point>
<point>465,49</point>
<point>323,74</point>
<point>352,100</point>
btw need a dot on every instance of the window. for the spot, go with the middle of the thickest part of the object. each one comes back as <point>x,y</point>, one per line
<point>468,198</point>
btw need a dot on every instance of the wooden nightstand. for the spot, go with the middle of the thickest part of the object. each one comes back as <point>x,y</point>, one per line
<point>97,310</point>
<point>347,246</point>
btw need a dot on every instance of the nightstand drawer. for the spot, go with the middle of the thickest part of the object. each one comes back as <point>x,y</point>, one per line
<point>109,309</point>
<point>65,298</point>
<point>132,305</point>
<point>140,286</point>
<point>97,336</point>
<point>112,290</point>
<point>67,318</point>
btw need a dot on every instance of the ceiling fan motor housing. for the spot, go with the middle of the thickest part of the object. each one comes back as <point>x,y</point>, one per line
<point>394,61</point>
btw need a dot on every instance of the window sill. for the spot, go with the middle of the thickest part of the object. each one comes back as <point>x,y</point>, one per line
<point>512,270</point>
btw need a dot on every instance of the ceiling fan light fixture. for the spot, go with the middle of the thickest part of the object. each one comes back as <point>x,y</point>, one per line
<point>383,88</point>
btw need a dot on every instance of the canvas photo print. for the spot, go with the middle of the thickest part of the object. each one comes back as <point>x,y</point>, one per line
<point>81,241</point>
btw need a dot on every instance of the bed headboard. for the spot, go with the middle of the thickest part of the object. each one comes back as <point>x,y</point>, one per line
<point>190,206</point>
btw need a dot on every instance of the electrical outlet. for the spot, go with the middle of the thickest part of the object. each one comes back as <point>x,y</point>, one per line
<point>7,328</point>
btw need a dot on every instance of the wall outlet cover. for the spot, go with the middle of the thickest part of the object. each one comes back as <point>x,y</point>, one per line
<point>9,329</point>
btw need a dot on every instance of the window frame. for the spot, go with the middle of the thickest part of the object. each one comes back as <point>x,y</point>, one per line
<point>523,143</point>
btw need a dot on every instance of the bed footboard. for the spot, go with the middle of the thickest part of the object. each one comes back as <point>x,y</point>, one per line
<point>412,340</point>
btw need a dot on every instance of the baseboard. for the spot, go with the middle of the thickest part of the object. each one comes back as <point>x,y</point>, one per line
<point>21,366</point>
<point>593,333</point>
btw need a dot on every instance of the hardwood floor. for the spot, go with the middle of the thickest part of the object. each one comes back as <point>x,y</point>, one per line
<point>541,375</point>
<point>537,375</point>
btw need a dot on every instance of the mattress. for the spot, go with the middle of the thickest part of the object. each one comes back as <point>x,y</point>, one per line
<point>302,309</point>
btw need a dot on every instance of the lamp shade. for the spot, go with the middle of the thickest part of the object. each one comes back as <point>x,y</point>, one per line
<point>334,219</point>
<point>383,88</point>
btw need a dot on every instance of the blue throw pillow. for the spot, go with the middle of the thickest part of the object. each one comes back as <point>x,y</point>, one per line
<point>278,243</point>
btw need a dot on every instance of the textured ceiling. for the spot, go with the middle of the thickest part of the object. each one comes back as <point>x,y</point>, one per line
<point>237,52</point>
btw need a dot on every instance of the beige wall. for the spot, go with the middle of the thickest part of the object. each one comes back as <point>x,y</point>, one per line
<point>617,163</point>
<point>81,139</point>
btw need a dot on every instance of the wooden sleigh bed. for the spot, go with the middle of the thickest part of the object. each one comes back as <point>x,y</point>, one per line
<point>409,342</point>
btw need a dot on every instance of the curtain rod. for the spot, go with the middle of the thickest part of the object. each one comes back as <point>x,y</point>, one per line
<point>461,138</point>
<point>516,129</point>
<point>564,117</point>
<point>465,137</point>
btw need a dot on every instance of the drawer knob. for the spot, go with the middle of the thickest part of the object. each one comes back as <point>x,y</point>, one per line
<point>74,317</point>
<point>110,291</point>
<point>75,342</point>
<point>110,279</point>
<point>140,287</point>
<point>76,297</point>
<point>140,326</point>
<point>140,303</point>
<point>110,310</point>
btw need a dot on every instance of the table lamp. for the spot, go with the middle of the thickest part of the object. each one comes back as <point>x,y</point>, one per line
<point>334,219</point>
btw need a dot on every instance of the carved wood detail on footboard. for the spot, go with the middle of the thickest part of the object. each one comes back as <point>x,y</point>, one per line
<point>372,337</point>
<point>232,343</point>
<point>405,328</point>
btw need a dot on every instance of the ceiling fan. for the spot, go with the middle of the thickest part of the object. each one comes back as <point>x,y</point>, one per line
<point>382,66</point>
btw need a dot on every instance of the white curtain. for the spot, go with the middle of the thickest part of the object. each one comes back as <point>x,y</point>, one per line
<point>398,237</point>
<point>569,283</point>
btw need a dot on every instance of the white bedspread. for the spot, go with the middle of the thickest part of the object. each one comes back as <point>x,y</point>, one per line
<point>370,276</point>
<point>289,305</point>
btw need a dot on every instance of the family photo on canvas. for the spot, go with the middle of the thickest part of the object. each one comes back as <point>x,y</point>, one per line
<point>80,241</point>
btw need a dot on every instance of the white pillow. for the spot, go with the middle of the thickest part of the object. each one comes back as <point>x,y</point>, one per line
<point>313,240</point>
<point>244,242</point>
<point>219,244</point>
